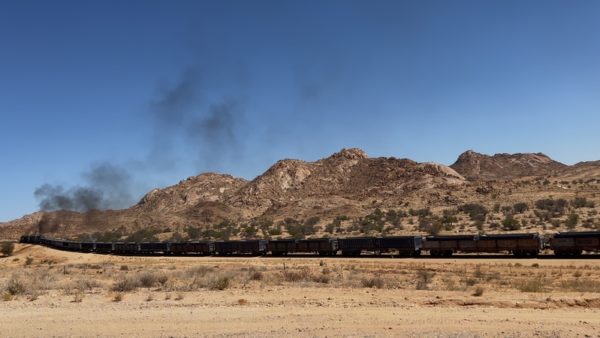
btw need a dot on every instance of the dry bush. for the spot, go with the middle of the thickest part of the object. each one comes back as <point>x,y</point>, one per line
<point>198,271</point>
<point>299,275</point>
<point>125,284</point>
<point>581,285</point>
<point>149,298</point>
<point>478,291</point>
<point>373,282</point>
<point>179,296</point>
<point>324,279</point>
<point>424,278</point>
<point>219,283</point>
<point>118,297</point>
<point>242,301</point>
<point>256,275</point>
<point>6,296</point>
<point>78,297</point>
<point>16,285</point>
<point>535,284</point>
<point>124,268</point>
<point>148,279</point>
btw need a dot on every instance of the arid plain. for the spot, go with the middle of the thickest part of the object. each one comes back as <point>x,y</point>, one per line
<point>54,293</point>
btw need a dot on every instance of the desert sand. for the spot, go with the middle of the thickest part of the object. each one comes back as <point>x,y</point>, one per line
<point>74,294</point>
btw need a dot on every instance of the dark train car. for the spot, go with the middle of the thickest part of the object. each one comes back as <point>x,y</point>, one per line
<point>192,248</point>
<point>103,247</point>
<point>72,246</point>
<point>522,245</point>
<point>128,248</point>
<point>574,243</point>
<point>405,245</point>
<point>88,246</point>
<point>322,246</point>
<point>280,247</point>
<point>354,246</point>
<point>244,247</point>
<point>152,248</point>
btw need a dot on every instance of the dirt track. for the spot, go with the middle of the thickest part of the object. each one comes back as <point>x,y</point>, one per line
<point>300,308</point>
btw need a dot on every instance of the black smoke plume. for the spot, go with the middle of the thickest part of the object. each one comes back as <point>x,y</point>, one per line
<point>107,187</point>
<point>207,128</point>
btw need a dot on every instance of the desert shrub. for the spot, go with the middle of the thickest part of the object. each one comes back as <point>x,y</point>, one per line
<point>572,221</point>
<point>124,268</point>
<point>219,283</point>
<point>322,278</point>
<point>535,284</point>
<point>28,261</point>
<point>256,275</point>
<point>143,235</point>
<point>16,285</point>
<point>118,297</point>
<point>198,271</point>
<point>520,207</point>
<point>581,285</point>
<point>474,210</point>
<point>373,282</point>
<point>147,279</point>
<point>430,225</point>
<point>478,291</point>
<point>125,284</point>
<point>193,232</point>
<point>424,278</point>
<point>298,229</point>
<point>295,275</point>
<point>556,208</point>
<point>582,202</point>
<point>7,248</point>
<point>510,223</point>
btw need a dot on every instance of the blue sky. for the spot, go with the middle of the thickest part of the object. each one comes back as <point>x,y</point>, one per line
<point>169,89</point>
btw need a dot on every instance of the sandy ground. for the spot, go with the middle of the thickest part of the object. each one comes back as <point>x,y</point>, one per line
<point>277,307</point>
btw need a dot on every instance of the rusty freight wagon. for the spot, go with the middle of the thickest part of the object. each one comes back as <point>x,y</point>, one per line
<point>574,243</point>
<point>248,247</point>
<point>521,245</point>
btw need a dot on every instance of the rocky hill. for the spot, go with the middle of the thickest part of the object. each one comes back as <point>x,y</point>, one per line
<point>475,166</point>
<point>348,193</point>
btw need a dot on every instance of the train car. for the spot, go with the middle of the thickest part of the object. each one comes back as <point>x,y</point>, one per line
<point>88,246</point>
<point>126,248</point>
<point>522,245</point>
<point>281,247</point>
<point>354,246</point>
<point>322,246</point>
<point>72,246</point>
<point>153,248</point>
<point>404,245</point>
<point>243,247</point>
<point>103,247</point>
<point>192,248</point>
<point>574,243</point>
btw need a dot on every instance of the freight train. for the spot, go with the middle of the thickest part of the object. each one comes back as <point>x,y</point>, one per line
<point>520,245</point>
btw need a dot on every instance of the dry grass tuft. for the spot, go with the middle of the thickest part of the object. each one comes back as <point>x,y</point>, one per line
<point>118,297</point>
<point>374,282</point>
<point>242,301</point>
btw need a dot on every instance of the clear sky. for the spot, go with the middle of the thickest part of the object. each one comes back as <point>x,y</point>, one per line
<point>163,90</point>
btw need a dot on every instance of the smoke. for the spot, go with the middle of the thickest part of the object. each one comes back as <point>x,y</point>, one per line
<point>107,187</point>
<point>201,130</point>
<point>207,128</point>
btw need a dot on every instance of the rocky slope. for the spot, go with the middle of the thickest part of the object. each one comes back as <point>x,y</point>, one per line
<point>347,183</point>
<point>475,166</point>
